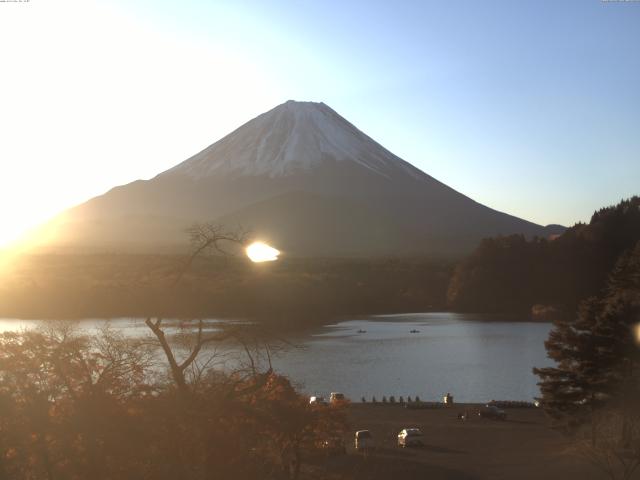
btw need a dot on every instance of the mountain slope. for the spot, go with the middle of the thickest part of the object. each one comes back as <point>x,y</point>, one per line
<point>304,177</point>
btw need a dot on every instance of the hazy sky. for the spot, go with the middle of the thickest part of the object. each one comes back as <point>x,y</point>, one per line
<point>532,108</point>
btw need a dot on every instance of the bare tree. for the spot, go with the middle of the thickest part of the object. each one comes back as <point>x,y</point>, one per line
<point>178,369</point>
<point>205,238</point>
<point>209,238</point>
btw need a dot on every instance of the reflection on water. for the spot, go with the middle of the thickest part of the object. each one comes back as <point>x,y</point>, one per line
<point>132,327</point>
<point>471,356</point>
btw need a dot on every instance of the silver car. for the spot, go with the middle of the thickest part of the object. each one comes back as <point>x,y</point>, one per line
<point>410,437</point>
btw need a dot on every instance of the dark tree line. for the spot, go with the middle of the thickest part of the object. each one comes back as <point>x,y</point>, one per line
<point>292,291</point>
<point>512,274</point>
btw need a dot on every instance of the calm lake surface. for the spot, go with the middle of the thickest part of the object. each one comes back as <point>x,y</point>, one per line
<point>475,357</point>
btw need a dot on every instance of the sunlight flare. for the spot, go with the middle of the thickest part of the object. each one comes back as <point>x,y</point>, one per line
<point>261,252</point>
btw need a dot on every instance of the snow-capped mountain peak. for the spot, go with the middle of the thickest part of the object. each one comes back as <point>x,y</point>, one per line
<point>292,137</point>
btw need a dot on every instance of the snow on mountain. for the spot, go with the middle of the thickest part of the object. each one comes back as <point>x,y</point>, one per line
<point>292,137</point>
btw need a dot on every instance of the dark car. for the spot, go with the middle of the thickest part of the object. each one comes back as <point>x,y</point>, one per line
<point>333,446</point>
<point>493,412</point>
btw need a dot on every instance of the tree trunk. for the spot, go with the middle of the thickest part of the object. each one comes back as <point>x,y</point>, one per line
<point>3,471</point>
<point>296,467</point>
<point>44,455</point>
<point>176,372</point>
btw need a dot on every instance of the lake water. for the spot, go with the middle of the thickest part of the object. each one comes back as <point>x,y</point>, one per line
<point>475,357</point>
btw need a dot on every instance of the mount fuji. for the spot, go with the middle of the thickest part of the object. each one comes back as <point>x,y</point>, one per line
<point>304,179</point>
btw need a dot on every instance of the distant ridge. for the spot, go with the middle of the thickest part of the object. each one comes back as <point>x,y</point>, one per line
<point>304,178</point>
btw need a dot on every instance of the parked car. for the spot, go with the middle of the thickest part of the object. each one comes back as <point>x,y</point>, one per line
<point>336,397</point>
<point>493,412</point>
<point>317,400</point>
<point>410,437</point>
<point>333,446</point>
<point>364,440</point>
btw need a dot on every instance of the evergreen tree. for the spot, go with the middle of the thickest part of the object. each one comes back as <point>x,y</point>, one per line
<point>598,360</point>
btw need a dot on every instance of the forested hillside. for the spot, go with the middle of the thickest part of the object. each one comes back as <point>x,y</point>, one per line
<point>513,274</point>
<point>296,292</point>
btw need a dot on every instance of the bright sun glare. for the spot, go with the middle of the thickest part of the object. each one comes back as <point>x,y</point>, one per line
<point>261,252</point>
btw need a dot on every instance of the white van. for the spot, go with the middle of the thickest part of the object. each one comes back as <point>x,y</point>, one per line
<point>336,397</point>
<point>364,440</point>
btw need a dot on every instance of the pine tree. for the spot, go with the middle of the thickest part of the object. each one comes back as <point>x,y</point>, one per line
<point>598,361</point>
